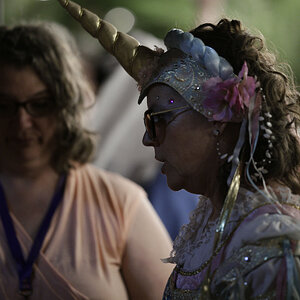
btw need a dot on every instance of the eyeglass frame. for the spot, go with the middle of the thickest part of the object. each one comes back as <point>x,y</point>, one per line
<point>149,115</point>
<point>18,105</point>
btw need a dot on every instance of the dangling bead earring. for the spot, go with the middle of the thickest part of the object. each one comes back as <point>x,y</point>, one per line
<point>216,133</point>
<point>265,120</point>
<point>221,156</point>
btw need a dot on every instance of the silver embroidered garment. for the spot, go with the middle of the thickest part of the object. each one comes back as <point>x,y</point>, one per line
<point>258,257</point>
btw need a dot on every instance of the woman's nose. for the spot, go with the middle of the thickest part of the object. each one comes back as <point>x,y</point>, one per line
<point>147,141</point>
<point>23,118</point>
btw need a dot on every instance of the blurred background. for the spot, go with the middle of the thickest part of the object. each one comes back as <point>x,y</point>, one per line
<point>278,20</point>
<point>116,118</point>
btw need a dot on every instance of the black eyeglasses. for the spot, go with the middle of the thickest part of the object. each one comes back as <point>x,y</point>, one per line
<point>150,118</point>
<point>35,108</point>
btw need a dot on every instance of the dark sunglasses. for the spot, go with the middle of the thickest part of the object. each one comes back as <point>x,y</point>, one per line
<point>35,108</point>
<point>150,118</point>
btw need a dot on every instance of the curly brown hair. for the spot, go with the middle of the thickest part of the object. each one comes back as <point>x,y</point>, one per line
<point>51,51</point>
<point>282,99</point>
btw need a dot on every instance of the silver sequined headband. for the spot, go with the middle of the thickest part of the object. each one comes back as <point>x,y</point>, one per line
<point>194,65</point>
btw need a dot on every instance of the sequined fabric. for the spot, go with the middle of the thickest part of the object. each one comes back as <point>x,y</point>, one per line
<point>184,74</point>
<point>251,260</point>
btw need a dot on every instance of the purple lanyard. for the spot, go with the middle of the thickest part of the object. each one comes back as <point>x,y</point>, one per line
<point>25,267</point>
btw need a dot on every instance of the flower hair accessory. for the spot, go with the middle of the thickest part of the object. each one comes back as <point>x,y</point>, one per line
<point>228,100</point>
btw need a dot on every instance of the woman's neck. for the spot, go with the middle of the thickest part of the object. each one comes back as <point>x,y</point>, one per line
<point>28,183</point>
<point>28,195</point>
<point>217,195</point>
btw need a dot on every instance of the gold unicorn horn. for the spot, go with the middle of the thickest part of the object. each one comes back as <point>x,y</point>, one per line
<point>128,51</point>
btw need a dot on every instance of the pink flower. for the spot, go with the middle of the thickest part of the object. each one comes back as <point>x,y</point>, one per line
<point>228,100</point>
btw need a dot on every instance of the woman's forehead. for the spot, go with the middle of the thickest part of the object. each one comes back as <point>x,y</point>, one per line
<point>163,94</point>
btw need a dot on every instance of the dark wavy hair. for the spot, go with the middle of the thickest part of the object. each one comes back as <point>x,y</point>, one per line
<point>51,51</point>
<point>282,99</point>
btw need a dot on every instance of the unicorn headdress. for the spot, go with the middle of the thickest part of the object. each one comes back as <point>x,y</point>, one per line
<point>203,78</point>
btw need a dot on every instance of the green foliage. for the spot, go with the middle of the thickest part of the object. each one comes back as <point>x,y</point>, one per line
<point>277,20</point>
<point>155,16</point>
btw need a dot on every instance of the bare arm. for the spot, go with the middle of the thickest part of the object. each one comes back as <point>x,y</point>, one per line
<point>148,241</point>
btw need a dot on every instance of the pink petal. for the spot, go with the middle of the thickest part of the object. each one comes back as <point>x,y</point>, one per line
<point>210,83</point>
<point>233,97</point>
<point>244,71</point>
<point>224,115</point>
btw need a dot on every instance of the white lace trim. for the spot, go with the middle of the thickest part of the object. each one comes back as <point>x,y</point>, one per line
<point>193,234</point>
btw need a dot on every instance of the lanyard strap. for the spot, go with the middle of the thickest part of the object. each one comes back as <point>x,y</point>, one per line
<point>24,267</point>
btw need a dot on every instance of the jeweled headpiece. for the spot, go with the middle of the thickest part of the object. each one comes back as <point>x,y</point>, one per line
<point>184,74</point>
<point>203,78</point>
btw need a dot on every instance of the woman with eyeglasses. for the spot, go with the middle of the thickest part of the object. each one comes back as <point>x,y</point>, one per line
<point>223,118</point>
<point>67,229</point>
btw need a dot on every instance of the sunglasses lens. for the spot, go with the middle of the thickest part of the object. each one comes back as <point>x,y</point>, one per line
<point>149,124</point>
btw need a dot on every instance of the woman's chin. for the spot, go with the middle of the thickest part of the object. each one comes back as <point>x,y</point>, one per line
<point>175,183</point>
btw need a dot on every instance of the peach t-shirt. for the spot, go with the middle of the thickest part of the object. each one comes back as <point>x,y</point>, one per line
<point>82,251</point>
